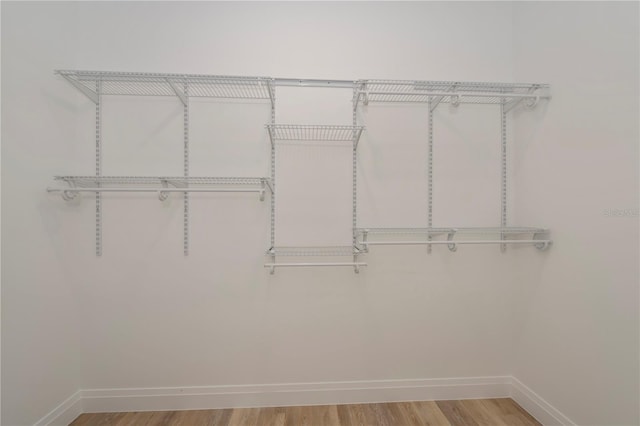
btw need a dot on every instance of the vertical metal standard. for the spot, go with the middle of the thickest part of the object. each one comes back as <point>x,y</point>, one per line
<point>272,88</point>
<point>503,193</point>
<point>186,168</point>
<point>354,219</point>
<point>430,176</point>
<point>98,166</point>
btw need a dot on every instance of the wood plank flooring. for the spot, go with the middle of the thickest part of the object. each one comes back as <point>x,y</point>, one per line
<point>470,412</point>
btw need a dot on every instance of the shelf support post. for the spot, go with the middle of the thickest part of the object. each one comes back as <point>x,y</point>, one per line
<point>272,91</point>
<point>503,171</point>
<point>354,183</point>
<point>430,170</point>
<point>98,102</point>
<point>185,227</point>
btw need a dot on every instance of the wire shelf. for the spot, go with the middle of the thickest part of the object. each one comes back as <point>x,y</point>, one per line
<point>152,84</point>
<point>313,251</point>
<point>404,231</point>
<point>408,91</point>
<point>299,132</point>
<point>162,185</point>
<point>477,235</point>
<point>160,181</point>
<point>509,230</point>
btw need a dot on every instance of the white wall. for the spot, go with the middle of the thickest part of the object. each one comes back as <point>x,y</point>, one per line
<point>578,158</point>
<point>40,340</point>
<point>149,317</point>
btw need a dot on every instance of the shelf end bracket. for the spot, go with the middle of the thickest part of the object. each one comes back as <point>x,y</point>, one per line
<point>93,96</point>
<point>178,92</point>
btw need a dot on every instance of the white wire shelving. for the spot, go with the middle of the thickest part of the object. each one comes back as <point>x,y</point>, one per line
<point>95,84</point>
<point>155,84</point>
<point>312,252</point>
<point>162,185</point>
<point>474,235</point>
<point>305,132</point>
<point>453,92</point>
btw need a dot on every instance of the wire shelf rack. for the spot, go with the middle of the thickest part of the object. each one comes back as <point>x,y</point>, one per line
<point>301,132</point>
<point>313,251</point>
<point>404,231</point>
<point>476,235</point>
<point>153,84</point>
<point>176,181</point>
<point>163,185</point>
<point>408,91</point>
<point>511,230</point>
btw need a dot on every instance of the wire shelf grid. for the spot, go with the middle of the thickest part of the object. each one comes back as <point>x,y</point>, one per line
<point>408,91</point>
<point>314,251</point>
<point>509,230</point>
<point>152,84</point>
<point>161,181</point>
<point>301,132</point>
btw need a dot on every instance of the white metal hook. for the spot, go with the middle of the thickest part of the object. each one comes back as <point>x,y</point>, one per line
<point>69,195</point>
<point>533,102</point>
<point>455,100</point>
<point>542,246</point>
<point>452,247</point>
<point>262,189</point>
<point>163,195</point>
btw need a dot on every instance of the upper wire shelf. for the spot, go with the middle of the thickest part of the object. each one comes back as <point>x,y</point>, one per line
<point>163,185</point>
<point>300,132</point>
<point>453,92</point>
<point>152,84</point>
<point>511,230</point>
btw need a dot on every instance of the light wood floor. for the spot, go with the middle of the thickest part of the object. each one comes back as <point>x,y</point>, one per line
<point>471,412</point>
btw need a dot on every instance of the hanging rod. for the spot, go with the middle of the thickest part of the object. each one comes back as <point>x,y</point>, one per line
<point>355,265</point>
<point>269,265</point>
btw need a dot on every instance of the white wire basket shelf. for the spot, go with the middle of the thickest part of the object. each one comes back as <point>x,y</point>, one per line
<point>163,185</point>
<point>537,237</point>
<point>313,251</point>
<point>453,92</point>
<point>330,252</point>
<point>301,132</point>
<point>153,84</point>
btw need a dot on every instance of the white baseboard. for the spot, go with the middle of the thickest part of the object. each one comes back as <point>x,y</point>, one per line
<point>110,400</point>
<point>211,397</point>
<point>544,412</point>
<point>64,413</point>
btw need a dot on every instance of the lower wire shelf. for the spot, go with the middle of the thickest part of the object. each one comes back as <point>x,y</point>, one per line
<point>162,185</point>
<point>538,237</point>
<point>312,252</point>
